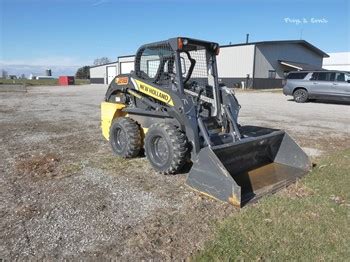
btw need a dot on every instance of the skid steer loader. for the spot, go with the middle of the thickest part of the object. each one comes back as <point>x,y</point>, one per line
<point>173,106</point>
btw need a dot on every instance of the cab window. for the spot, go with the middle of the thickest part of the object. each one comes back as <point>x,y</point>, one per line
<point>156,63</point>
<point>152,67</point>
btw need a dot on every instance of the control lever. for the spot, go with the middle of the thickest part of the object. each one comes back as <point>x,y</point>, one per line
<point>198,101</point>
<point>236,135</point>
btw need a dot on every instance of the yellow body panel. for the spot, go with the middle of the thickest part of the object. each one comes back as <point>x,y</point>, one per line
<point>154,92</point>
<point>110,111</point>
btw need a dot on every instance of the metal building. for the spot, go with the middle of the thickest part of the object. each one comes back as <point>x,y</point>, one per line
<point>104,74</point>
<point>265,64</point>
<point>126,64</point>
<point>252,65</point>
<point>337,61</point>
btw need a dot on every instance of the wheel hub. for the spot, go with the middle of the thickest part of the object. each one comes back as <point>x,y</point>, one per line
<point>299,95</point>
<point>120,139</point>
<point>160,150</point>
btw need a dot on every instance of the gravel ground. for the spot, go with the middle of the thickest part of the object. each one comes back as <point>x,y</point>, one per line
<point>63,194</point>
<point>318,126</point>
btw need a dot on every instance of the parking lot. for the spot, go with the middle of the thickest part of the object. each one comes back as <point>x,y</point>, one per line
<point>63,193</point>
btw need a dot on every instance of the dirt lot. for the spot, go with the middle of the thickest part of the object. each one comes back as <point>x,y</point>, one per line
<point>64,195</point>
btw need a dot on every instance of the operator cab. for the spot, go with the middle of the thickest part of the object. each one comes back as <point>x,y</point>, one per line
<point>183,65</point>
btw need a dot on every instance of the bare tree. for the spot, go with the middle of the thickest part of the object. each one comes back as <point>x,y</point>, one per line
<point>102,61</point>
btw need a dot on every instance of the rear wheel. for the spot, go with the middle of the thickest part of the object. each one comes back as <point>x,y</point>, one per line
<point>125,137</point>
<point>166,148</point>
<point>300,95</point>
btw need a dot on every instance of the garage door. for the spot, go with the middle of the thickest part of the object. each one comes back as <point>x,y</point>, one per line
<point>126,67</point>
<point>111,73</point>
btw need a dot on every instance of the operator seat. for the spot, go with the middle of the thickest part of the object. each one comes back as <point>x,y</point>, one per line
<point>166,74</point>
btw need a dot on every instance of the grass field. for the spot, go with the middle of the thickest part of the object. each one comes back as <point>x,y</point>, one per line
<point>309,221</point>
<point>44,82</point>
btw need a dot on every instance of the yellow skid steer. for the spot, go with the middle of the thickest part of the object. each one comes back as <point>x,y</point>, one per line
<point>174,107</point>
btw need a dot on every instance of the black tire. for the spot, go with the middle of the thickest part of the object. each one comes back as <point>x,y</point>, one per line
<point>125,137</point>
<point>166,148</point>
<point>300,95</point>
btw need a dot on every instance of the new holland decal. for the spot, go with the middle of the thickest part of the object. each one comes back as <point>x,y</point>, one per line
<point>154,92</point>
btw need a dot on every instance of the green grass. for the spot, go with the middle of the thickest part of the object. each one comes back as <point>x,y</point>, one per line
<point>82,81</point>
<point>309,221</point>
<point>46,82</point>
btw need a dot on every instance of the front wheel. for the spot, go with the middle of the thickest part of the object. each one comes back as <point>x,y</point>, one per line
<point>300,96</point>
<point>166,148</point>
<point>125,137</point>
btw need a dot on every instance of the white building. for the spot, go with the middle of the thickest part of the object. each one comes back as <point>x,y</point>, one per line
<point>104,74</point>
<point>257,64</point>
<point>337,61</point>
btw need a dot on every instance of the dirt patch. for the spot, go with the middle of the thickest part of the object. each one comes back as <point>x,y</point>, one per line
<point>167,237</point>
<point>4,110</point>
<point>39,166</point>
<point>27,211</point>
<point>12,88</point>
<point>312,152</point>
<point>338,199</point>
<point>297,190</point>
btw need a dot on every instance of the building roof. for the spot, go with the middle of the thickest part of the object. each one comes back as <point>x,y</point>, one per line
<point>104,64</point>
<point>115,62</point>
<point>278,42</point>
<point>122,56</point>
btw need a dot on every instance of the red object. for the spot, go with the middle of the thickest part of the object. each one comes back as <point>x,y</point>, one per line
<point>66,80</point>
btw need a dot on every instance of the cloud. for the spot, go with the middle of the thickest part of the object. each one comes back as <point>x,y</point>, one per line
<point>18,70</point>
<point>59,65</point>
<point>99,2</point>
<point>47,61</point>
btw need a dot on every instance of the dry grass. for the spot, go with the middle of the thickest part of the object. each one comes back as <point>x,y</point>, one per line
<point>297,190</point>
<point>45,82</point>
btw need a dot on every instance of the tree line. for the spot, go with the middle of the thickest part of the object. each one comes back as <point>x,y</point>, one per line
<point>84,72</point>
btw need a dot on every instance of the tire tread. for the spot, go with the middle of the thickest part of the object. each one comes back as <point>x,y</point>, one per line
<point>133,134</point>
<point>179,144</point>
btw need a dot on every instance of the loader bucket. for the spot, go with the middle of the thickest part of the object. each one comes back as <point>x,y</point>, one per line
<point>243,171</point>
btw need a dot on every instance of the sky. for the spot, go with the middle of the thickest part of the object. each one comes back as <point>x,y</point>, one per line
<point>66,34</point>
